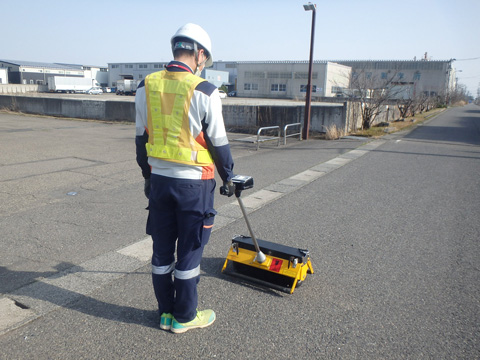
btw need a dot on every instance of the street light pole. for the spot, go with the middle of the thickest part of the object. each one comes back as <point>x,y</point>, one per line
<point>306,122</point>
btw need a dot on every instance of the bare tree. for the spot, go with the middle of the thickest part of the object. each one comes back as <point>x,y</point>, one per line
<point>373,92</point>
<point>416,103</point>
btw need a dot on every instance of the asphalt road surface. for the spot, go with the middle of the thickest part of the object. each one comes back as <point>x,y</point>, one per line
<point>392,227</point>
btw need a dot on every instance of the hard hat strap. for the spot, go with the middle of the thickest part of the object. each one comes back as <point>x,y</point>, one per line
<point>197,70</point>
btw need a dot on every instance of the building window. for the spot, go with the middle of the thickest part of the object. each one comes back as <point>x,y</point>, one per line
<point>401,75</point>
<point>157,66</point>
<point>303,88</point>
<point>142,66</point>
<point>254,86</point>
<point>278,87</point>
<point>384,75</point>
<point>140,76</point>
<point>417,75</point>
<point>246,86</point>
<point>128,66</point>
<point>114,66</point>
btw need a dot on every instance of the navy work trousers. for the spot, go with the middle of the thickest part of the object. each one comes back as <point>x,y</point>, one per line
<point>181,215</point>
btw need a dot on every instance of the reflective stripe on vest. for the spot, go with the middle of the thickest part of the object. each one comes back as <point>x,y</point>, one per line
<point>168,103</point>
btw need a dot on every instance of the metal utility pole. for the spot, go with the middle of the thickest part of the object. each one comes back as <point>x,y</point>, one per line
<point>306,122</point>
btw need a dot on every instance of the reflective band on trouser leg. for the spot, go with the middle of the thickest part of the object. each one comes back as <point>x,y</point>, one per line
<point>163,287</point>
<point>187,274</point>
<point>162,270</point>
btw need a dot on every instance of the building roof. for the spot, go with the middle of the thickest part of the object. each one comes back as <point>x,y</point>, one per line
<point>43,64</point>
<point>40,64</point>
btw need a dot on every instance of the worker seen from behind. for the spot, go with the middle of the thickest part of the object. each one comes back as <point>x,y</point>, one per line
<point>180,138</point>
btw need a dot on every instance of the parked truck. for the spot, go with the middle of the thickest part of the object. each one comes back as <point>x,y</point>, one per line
<point>72,85</point>
<point>126,87</point>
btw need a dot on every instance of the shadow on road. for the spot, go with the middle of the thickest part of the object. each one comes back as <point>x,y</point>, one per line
<point>49,293</point>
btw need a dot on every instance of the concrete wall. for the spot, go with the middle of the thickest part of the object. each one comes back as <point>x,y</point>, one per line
<point>21,89</point>
<point>73,108</point>
<point>237,117</point>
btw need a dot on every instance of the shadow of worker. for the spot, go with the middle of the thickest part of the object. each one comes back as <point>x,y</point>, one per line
<point>70,289</point>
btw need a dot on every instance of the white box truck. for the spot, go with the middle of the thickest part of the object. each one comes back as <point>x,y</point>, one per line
<point>72,85</point>
<point>126,87</point>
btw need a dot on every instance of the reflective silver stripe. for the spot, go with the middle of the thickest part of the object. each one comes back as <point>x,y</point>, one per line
<point>162,270</point>
<point>187,274</point>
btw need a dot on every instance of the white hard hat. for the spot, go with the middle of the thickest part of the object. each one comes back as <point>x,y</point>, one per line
<point>198,35</point>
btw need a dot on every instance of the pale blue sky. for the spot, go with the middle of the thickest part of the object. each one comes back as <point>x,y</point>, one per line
<point>106,31</point>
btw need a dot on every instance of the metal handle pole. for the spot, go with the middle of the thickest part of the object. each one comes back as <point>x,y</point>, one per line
<point>260,255</point>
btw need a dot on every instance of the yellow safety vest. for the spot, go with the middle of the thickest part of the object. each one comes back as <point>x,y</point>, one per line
<point>168,103</point>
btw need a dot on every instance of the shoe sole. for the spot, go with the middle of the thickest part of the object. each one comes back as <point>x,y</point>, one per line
<point>185,329</point>
<point>165,327</point>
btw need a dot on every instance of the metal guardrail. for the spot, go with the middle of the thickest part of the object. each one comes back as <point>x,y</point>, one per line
<point>269,138</point>
<point>295,134</point>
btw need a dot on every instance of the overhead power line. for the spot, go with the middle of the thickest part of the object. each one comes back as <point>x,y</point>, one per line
<point>475,58</point>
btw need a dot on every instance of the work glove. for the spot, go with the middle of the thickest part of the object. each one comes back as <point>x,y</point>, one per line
<point>228,188</point>
<point>146,188</point>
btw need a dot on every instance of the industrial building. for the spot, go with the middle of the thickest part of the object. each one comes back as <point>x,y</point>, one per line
<point>3,76</point>
<point>139,71</point>
<point>280,79</point>
<point>416,77</point>
<point>263,79</point>
<point>289,79</point>
<point>37,73</point>
<point>134,71</point>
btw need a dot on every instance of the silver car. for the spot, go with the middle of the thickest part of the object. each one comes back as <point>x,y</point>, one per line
<point>95,91</point>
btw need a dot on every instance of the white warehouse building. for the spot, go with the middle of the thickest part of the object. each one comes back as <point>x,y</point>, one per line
<point>287,79</point>
<point>417,77</point>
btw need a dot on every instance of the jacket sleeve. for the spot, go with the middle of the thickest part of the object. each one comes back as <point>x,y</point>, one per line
<point>141,133</point>
<point>216,137</point>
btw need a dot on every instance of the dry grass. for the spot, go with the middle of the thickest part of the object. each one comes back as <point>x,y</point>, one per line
<point>394,126</point>
<point>333,133</point>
